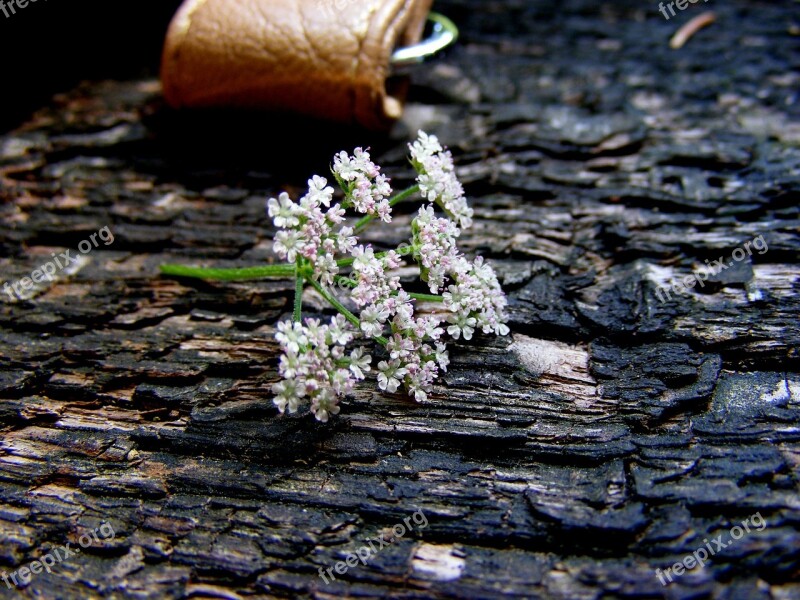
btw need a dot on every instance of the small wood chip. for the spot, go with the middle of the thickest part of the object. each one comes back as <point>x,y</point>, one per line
<point>689,29</point>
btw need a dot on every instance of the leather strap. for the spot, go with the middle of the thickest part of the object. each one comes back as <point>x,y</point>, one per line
<point>323,58</point>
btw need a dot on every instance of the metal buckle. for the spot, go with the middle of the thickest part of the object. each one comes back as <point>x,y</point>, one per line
<point>444,34</point>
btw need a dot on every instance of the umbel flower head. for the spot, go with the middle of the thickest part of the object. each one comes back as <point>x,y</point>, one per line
<point>314,235</point>
<point>321,248</point>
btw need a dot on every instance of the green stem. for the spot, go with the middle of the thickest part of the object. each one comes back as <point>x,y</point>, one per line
<point>342,309</point>
<point>263,272</point>
<point>427,297</point>
<point>397,199</point>
<point>336,304</point>
<point>298,298</point>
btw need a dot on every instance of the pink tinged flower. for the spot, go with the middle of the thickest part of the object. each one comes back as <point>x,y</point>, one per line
<point>362,160</point>
<point>381,187</point>
<point>419,393</point>
<point>384,211</point>
<point>335,214</point>
<point>362,295</point>
<point>436,275</point>
<point>341,382</point>
<point>360,363</point>
<point>390,375</point>
<point>323,405</point>
<point>428,327</point>
<point>419,383</point>
<point>328,246</point>
<point>291,336</point>
<point>283,211</point>
<point>363,200</point>
<point>393,260</point>
<point>399,346</point>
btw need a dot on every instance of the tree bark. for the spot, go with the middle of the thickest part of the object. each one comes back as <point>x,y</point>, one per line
<point>610,435</point>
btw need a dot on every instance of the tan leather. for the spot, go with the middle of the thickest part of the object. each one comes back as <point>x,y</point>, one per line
<point>323,58</point>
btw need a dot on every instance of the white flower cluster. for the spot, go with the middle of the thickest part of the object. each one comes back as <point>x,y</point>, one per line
<point>309,232</point>
<point>437,178</point>
<point>314,364</point>
<point>475,299</point>
<point>364,186</point>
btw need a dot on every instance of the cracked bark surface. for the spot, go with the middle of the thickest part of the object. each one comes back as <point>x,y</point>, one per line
<point>607,437</point>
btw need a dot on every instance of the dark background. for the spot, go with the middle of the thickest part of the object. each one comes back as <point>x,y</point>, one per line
<point>51,45</point>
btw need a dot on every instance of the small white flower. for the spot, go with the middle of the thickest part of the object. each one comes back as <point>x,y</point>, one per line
<point>283,211</point>
<point>360,363</point>
<point>325,269</point>
<point>454,297</point>
<point>316,333</point>
<point>373,319</point>
<point>291,336</point>
<point>288,244</point>
<point>345,240</point>
<point>335,214</point>
<point>344,167</point>
<point>399,346</point>
<point>364,258</point>
<point>318,191</point>
<point>461,325</point>
<point>442,357</point>
<point>287,395</point>
<point>291,365</point>
<point>424,147</point>
<point>390,375</point>
<point>338,331</point>
<point>323,405</point>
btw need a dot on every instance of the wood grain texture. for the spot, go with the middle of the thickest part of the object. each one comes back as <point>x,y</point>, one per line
<point>608,436</point>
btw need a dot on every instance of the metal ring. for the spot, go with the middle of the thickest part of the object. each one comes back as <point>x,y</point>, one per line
<point>444,33</point>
